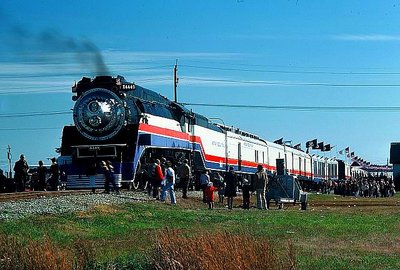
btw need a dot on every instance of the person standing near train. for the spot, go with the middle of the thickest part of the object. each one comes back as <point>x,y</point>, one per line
<point>3,182</point>
<point>54,175</point>
<point>169,183</point>
<point>157,177</point>
<point>210,195</point>
<point>108,170</point>
<point>204,180</point>
<point>41,172</point>
<point>220,184</point>
<point>260,186</point>
<point>184,174</point>
<point>230,188</point>
<point>21,168</point>
<point>246,188</point>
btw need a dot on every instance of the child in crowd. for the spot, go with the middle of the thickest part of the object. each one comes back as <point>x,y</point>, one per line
<point>209,192</point>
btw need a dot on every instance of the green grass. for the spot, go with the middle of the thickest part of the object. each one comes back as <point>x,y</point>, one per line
<point>323,237</point>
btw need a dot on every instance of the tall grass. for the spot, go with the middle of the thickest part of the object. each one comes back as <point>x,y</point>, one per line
<point>44,255</point>
<point>218,250</point>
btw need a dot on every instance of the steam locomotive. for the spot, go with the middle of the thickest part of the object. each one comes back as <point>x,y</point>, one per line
<point>129,125</point>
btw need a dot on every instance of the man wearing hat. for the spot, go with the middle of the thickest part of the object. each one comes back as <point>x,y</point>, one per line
<point>261,185</point>
<point>184,174</point>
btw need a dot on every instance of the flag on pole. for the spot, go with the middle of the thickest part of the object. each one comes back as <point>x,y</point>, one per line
<point>319,146</point>
<point>327,147</point>
<point>311,144</point>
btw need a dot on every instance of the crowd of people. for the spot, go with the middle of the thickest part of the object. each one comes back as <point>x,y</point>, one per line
<point>41,179</point>
<point>366,187</point>
<point>162,175</point>
<point>369,186</point>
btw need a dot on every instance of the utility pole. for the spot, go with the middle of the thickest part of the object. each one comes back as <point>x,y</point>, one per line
<point>176,79</point>
<point>9,161</point>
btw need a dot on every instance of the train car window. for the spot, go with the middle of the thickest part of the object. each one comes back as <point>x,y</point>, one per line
<point>182,123</point>
<point>300,165</point>
<point>157,109</point>
<point>188,124</point>
<point>292,161</point>
<point>315,167</point>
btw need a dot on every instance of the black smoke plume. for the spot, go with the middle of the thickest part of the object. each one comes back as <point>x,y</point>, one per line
<point>50,46</point>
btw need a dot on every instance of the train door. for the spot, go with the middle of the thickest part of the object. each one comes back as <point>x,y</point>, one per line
<point>239,156</point>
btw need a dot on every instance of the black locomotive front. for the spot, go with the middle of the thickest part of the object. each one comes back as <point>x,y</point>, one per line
<point>106,120</point>
<point>102,108</point>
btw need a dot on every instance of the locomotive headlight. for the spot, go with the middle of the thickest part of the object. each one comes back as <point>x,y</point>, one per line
<point>99,114</point>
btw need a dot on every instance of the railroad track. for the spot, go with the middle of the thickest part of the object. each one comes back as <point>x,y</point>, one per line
<point>16,196</point>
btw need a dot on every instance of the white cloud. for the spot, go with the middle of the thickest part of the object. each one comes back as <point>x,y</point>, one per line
<point>148,56</point>
<point>371,37</point>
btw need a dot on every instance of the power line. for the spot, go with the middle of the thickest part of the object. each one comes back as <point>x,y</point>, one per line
<point>30,129</point>
<point>238,106</point>
<point>293,72</point>
<point>278,83</point>
<point>30,114</point>
<point>280,66</point>
<point>303,108</point>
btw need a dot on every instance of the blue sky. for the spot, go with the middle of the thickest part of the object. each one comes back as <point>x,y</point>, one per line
<point>241,52</point>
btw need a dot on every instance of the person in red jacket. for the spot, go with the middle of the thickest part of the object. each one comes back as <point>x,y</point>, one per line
<point>158,176</point>
<point>209,192</point>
